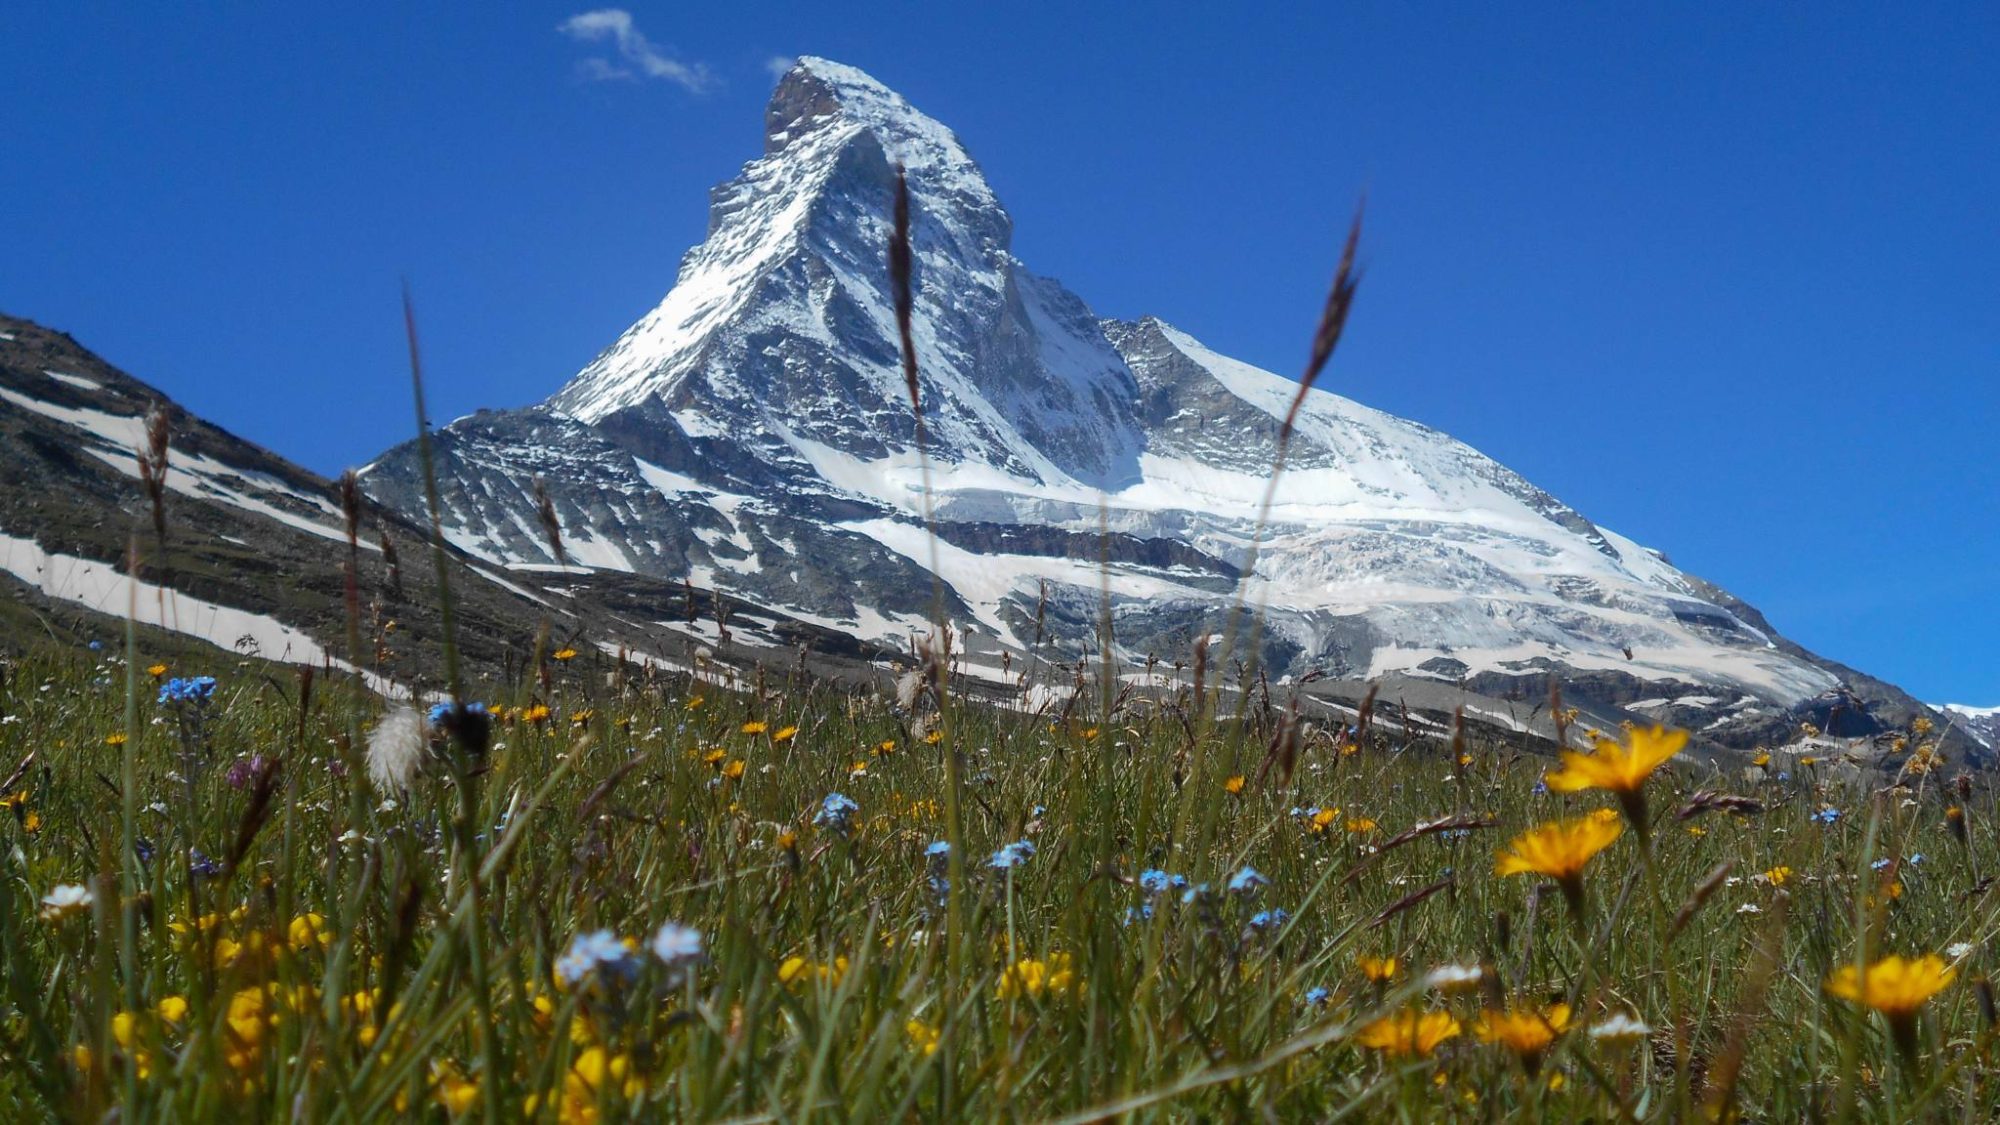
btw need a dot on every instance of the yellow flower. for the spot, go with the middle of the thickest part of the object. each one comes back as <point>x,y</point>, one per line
<point>1777,876</point>
<point>308,930</point>
<point>933,738</point>
<point>1893,985</point>
<point>1037,978</point>
<point>157,670</point>
<point>1896,987</point>
<point>455,1092</point>
<point>885,747</point>
<point>714,758</point>
<point>787,840</point>
<point>1620,768</point>
<point>733,770</point>
<point>694,702</point>
<point>1322,820</point>
<point>923,1037</point>
<point>1377,969</point>
<point>536,713</point>
<point>1526,1033</point>
<point>115,738</point>
<point>784,734</point>
<point>31,823</point>
<point>1360,824</point>
<point>1559,850</point>
<point>565,653</point>
<point>1408,1033</point>
<point>796,968</point>
<point>1762,759</point>
<point>173,1009</point>
<point>755,726</point>
<point>1234,786</point>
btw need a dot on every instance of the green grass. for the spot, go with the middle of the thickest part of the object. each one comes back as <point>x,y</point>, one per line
<point>619,822</point>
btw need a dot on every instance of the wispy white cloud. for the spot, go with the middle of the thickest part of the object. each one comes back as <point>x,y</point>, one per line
<point>637,56</point>
<point>777,65</point>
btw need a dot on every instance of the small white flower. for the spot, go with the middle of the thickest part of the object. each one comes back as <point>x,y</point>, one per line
<point>1749,908</point>
<point>1621,1028</point>
<point>1959,950</point>
<point>66,899</point>
<point>677,945</point>
<point>395,750</point>
<point>1454,978</point>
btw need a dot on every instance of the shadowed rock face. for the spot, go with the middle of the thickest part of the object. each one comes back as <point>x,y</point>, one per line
<point>752,434</point>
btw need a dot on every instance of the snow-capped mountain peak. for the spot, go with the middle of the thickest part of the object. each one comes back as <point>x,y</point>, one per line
<point>752,432</point>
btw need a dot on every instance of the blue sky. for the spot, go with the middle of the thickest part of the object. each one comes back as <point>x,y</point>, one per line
<point>1729,285</point>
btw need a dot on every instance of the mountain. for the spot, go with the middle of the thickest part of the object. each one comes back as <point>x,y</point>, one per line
<point>255,547</point>
<point>752,434</point>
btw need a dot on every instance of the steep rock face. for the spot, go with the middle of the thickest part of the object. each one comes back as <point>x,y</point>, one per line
<point>752,433</point>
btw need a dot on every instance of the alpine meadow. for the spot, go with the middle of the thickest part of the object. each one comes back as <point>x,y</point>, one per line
<point>879,688</point>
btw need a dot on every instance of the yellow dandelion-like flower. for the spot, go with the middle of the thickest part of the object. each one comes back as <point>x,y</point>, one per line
<point>1778,876</point>
<point>1528,1034</point>
<point>714,758</point>
<point>885,747</point>
<point>31,823</point>
<point>734,770</point>
<point>694,702</point>
<point>755,726</point>
<point>785,734</point>
<point>535,714</point>
<point>565,653</point>
<point>1234,786</point>
<point>933,738</point>
<point>1896,986</point>
<point>1408,1033</point>
<point>157,670</point>
<point>1322,821</point>
<point>923,1037</point>
<point>1560,849</point>
<point>1762,759</point>
<point>1359,824</point>
<point>1618,767</point>
<point>115,738</point>
<point>1037,978</point>
<point>1378,969</point>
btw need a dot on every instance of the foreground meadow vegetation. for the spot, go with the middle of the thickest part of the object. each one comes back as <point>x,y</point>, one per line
<point>616,894</point>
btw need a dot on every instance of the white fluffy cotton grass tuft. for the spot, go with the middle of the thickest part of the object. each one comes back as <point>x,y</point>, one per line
<point>396,749</point>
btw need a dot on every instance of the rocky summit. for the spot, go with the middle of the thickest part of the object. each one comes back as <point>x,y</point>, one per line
<point>752,435</point>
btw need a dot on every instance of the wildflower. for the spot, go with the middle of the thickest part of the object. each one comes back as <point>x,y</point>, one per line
<point>1140,913</point>
<point>454,1091</point>
<point>1318,995</point>
<point>1269,919</point>
<point>115,738</point>
<point>1897,987</point>
<point>1199,890</point>
<point>535,713</point>
<point>395,750</point>
<point>1247,881</point>
<point>1360,824</point>
<point>1777,876</point>
<point>885,748</point>
<point>1321,820</point>
<point>1528,1034</point>
<point>836,813</point>
<point>796,968</point>
<point>157,670</point>
<point>1381,970</point>
<point>1959,950</point>
<point>1455,978</point>
<point>1620,768</point>
<point>1234,786</point>
<point>1012,856</point>
<point>1827,815</point>
<point>933,738</point>
<point>1036,978</point>
<point>785,734</point>
<point>734,770</point>
<point>1408,1033</point>
<point>714,758</point>
<point>1559,850</point>
<point>187,691</point>
<point>1762,759</point>
<point>565,653</point>
<point>676,945</point>
<point>923,1037</point>
<point>1155,881</point>
<point>755,726</point>
<point>308,931</point>
<point>599,951</point>
<point>66,899</point>
<point>1620,1030</point>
